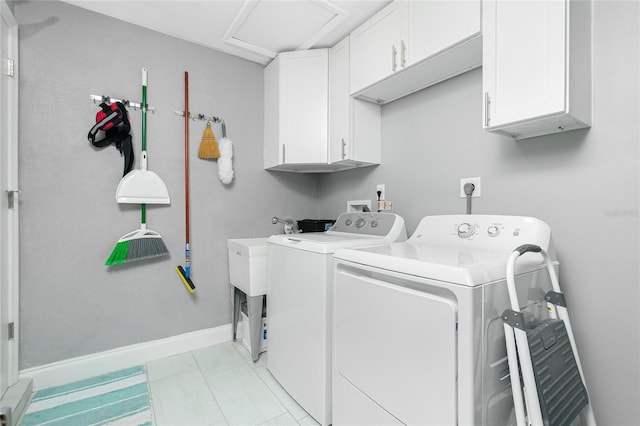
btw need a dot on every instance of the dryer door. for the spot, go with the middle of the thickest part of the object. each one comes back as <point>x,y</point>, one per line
<point>397,345</point>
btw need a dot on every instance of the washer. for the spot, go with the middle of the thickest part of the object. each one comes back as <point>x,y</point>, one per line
<point>299,308</point>
<point>418,333</point>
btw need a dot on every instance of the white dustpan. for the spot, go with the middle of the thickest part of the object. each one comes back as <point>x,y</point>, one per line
<point>143,186</point>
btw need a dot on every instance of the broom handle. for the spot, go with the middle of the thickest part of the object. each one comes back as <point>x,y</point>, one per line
<point>143,207</point>
<point>144,117</point>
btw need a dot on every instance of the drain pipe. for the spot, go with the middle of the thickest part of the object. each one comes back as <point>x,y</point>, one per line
<point>468,191</point>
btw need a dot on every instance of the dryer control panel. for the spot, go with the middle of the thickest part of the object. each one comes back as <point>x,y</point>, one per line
<point>367,223</point>
<point>482,232</point>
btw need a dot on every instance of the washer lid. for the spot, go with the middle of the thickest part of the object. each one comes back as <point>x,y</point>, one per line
<point>452,265</point>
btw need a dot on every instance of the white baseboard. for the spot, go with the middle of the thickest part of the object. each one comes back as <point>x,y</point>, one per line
<point>73,369</point>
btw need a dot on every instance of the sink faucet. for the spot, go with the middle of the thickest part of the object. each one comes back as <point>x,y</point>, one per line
<point>290,226</point>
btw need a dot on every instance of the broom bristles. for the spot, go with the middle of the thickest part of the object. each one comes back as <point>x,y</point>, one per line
<point>137,249</point>
<point>208,145</point>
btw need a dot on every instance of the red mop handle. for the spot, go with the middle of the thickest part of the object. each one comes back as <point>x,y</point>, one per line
<point>186,153</point>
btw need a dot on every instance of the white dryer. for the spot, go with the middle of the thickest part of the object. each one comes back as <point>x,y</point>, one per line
<point>300,301</point>
<point>417,325</point>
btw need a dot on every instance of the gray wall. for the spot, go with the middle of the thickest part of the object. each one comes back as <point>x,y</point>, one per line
<point>585,184</point>
<point>71,304</point>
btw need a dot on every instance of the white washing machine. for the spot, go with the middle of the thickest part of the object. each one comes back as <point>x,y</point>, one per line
<point>299,303</point>
<point>418,336</point>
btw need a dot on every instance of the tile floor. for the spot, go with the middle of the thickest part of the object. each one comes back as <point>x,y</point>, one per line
<point>220,385</point>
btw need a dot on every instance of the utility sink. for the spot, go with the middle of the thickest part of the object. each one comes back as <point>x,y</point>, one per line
<point>248,265</point>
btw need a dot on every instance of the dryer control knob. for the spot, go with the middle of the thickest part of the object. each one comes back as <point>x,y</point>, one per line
<point>360,223</point>
<point>493,231</point>
<point>465,230</point>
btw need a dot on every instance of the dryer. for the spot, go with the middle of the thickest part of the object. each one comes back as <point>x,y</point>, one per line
<point>300,301</point>
<point>418,336</point>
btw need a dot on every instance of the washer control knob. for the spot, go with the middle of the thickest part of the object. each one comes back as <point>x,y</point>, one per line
<point>493,231</point>
<point>348,222</point>
<point>374,223</point>
<point>360,223</point>
<point>465,230</point>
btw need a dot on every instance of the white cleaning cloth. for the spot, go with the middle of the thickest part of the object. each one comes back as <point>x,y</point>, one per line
<point>225,162</point>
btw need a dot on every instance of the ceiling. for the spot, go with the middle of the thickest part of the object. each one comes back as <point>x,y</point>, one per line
<point>251,29</point>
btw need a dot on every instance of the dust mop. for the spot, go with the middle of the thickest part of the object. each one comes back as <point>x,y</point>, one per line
<point>225,162</point>
<point>143,243</point>
<point>184,273</point>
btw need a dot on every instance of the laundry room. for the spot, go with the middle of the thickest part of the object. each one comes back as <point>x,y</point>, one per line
<point>76,316</point>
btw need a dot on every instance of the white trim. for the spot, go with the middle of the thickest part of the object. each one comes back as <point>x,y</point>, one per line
<point>229,36</point>
<point>339,17</point>
<point>73,369</point>
<point>12,257</point>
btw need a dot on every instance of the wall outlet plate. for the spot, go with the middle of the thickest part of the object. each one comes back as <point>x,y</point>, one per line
<point>475,181</point>
<point>383,195</point>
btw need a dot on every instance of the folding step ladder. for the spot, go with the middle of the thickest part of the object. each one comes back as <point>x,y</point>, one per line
<point>543,359</point>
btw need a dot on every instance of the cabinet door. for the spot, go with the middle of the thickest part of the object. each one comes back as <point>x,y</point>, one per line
<point>304,96</point>
<point>272,143</point>
<point>376,46</point>
<point>354,125</point>
<point>339,98</point>
<point>523,60</point>
<point>437,25</point>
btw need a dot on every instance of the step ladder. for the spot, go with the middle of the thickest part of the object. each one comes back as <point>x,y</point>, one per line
<point>547,381</point>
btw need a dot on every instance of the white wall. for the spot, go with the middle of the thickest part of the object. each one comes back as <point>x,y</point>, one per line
<point>585,184</point>
<point>71,304</point>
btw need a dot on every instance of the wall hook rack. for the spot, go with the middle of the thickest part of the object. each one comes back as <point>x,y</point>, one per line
<point>203,117</point>
<point>108,100</point>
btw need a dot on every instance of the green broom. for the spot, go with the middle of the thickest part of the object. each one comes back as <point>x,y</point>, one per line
<point>143,243</point>
<point>140,244</point>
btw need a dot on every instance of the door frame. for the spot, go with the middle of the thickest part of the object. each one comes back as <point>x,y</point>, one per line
<point>9,298</point>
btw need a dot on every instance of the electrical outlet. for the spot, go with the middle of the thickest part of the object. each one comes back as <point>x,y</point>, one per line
<point>380,188</point>
<point>475,181</point>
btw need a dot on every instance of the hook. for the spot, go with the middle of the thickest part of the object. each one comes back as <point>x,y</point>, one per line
<point>224,129</point>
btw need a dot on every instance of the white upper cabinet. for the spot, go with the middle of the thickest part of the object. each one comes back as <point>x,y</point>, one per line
<point>296,103</point>
<point>354,125</point>
<point>339,101</point>
<point>536,66</point>
<point>378,47</point>
<point>311,123</point>
<point>437,25</point>
<point>410,45</point>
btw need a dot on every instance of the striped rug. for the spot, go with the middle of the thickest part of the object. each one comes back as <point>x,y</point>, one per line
<point>120,398</point>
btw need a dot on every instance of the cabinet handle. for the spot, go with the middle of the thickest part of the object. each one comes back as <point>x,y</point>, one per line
<point>283,154</point>
<point>486,109</point>
<point>344,154</point>
<point>394,53</point>
<point>403,49</point>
